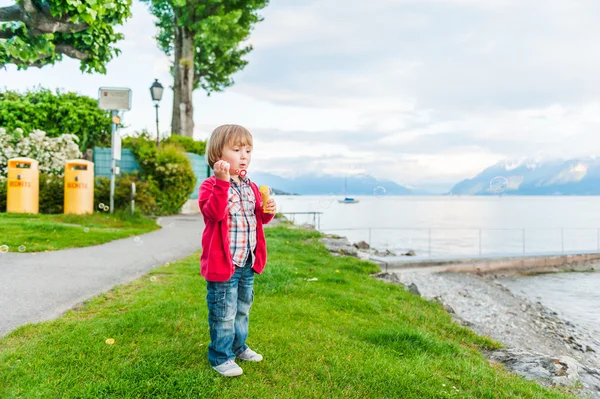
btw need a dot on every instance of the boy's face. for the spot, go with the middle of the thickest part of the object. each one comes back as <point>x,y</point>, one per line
<point>238,156</point>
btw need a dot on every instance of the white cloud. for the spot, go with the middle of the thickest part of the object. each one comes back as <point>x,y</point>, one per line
<point>410,90</point>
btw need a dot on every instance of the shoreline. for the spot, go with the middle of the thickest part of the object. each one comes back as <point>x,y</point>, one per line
<point>539,345</point>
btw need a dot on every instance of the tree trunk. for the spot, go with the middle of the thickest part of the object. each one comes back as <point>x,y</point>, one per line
<point>186,65</point>
<point>175,118</point>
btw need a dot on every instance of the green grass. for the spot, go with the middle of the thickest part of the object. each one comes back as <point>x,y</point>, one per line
<point>346,335</point>
<point>38,233</point>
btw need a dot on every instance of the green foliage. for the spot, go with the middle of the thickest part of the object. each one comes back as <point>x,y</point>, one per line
<point>56,113</point>
<point>88,34</point>
<point>144,201</point>
<point>168,170</point>
<point>218,26</point>
<point>188,144</point>
<point>3,192</point>
<point>174,178</point>
<point>52,194</point>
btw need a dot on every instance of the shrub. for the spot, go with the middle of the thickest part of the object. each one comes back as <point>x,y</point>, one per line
<point>168,170</point>
<point>50,152</point>
<point>144,200</point>
<point>3,192</point>
<point>188,144</point>
<point>56,113</point>
<point>52,193</point>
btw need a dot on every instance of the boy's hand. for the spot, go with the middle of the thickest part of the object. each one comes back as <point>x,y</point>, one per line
<point>221,169</point>
<point>271,206</point>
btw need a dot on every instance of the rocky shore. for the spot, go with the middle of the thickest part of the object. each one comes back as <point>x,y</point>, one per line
<point>539,345</point>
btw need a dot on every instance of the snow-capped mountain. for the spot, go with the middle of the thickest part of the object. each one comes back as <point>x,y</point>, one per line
<point>535,177</point>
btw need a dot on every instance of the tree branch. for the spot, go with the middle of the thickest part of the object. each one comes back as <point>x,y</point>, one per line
<point>38,19</point>
<point>71,51</point>
<point>11,13</point>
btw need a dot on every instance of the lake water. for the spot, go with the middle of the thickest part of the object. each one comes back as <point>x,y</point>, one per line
<point>463,226</point>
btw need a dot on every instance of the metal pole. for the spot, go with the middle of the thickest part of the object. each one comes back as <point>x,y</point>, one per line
<point>480,242</point>
<point>370,237</point>
<point>562,241</point>
<point>523,240</point>
<point>113,163</point>
<point>157,130</point>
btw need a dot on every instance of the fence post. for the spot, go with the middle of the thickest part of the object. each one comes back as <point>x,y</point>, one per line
<point>523,240</point>
<point>598,239</point>
<point>369,237</point>
<point>480,241</point>
<point>562,240</point>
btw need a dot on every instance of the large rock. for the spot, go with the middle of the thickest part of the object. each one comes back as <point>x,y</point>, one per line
<point>560,370</point>
<point>339,245</point>
<point>362,245</point>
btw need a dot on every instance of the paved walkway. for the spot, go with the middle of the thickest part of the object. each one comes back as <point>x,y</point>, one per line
<point>41,286</point>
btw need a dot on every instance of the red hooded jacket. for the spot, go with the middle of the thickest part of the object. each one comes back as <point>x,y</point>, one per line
<point>215,262</point>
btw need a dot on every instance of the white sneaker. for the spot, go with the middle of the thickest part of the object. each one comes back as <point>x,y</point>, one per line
<point>229,369</point>
<point>250,356</point>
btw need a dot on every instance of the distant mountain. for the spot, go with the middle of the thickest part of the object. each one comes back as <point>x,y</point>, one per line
<point>535,177</point>
<point>326,184</point>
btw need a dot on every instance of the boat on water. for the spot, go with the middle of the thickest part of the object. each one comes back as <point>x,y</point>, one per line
<point>347,200</point>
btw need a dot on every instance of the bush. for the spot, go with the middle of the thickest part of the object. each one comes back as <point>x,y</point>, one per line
<point>56,113</point>
<point>144,201</point>
<point>168,171</point>
<point>51,153</point>
<point>52,193</point>
<point>188,144</point>
<point>3,192</point>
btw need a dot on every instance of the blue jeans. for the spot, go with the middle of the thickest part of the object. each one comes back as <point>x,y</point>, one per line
<point>229,304</point>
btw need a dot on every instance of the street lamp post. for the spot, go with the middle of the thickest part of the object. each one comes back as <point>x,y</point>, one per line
<point>156,91</point>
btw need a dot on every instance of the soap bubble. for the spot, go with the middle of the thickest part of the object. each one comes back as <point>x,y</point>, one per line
<point>22,248</point>
<point>379,192</point>
<point>498,184</point>
<point>3,249</point>
<point>101,206</point>
<point>138,241</point>
<point>106,208</point>
<point>153,278</point>
<point>327,201</point>
<point>86,230</point>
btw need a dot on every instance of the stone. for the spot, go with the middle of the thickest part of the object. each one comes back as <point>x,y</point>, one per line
<point>339,246</point>
<point>413,288</point>
<point>410,253</point>
<point>362,245</point>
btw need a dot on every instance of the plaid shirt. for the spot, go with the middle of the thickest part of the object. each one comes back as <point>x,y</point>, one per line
<point>241,221</point>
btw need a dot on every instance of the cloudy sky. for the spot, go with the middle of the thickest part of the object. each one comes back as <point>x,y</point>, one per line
<point>418,91</point>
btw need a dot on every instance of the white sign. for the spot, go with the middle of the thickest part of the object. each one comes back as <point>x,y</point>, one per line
<point>114,99</point>
<point>116,146</point>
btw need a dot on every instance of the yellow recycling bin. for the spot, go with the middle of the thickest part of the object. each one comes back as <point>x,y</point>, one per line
<point>23,194</point>
<point>79,186</point>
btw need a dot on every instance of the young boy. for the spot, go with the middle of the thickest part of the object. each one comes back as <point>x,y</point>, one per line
<point>233,246</point>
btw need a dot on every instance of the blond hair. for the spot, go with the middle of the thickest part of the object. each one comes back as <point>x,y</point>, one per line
<point>223,135</point>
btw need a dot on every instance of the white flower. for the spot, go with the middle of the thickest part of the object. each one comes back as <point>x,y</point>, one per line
<point>50,152</point>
